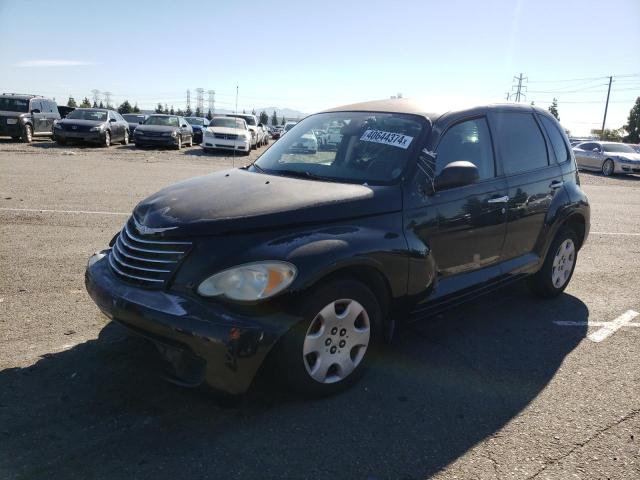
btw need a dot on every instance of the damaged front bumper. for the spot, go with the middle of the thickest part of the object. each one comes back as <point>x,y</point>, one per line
<point>201,341</point>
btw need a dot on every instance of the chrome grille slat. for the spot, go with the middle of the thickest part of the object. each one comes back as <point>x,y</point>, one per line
<point>135,267</point>
<point>142,259</point>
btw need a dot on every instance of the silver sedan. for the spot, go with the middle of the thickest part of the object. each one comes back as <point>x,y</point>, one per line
<point>607,157</point>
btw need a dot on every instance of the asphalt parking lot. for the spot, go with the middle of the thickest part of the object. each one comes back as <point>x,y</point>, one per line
<point>504,387</point>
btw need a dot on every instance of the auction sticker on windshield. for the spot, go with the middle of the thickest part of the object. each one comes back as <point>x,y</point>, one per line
<point>387,138</point>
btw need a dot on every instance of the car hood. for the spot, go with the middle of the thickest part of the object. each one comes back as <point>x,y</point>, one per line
<point>155,128</point>
<point>79,122</point>
<point>240,200</point>
<point>227,130</point>
<point>626,156</point>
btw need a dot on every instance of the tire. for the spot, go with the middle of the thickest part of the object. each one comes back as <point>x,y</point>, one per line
<point>106,141</point>
<point>179,143</point>
<point>61,141</point>
<point>300,358</point>
<point>27,134</point>
<point>559,264</point>
<point>138,145</point>
<point>608,167</point>
<point>191,141</point>
<point>125,141</point>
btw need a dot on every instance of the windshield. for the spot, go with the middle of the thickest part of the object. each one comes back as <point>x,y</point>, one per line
<point>227,122</point>
<point>196,121</point>
<point>247,118</point>
<point>14,104</point>
<point>93,115</point>
<point>161,120</point>
<point>133,118</point>
<point>372,148</point>
<point>617,147</point>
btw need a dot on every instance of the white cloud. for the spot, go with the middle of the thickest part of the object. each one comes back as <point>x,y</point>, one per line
<point>53,63</point>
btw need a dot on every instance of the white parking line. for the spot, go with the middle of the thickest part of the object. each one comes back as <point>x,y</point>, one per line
<point>613,327</point>
<point>607,328</point>
<point>81,212</point>
<point>615,233</point>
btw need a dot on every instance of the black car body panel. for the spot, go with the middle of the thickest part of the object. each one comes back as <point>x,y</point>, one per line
<point>162,135</point>
<point>423,249</point>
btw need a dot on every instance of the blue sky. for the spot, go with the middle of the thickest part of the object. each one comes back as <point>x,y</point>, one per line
<point>314,55</point>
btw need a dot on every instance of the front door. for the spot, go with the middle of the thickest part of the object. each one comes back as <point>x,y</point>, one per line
<point>39,118</point>
<point>462,228</point>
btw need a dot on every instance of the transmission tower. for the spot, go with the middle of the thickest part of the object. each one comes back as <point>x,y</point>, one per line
<point>200,99</point>
<point>96,96</point>
<point>188,100</point>
<point>519,87</point>
<point>212,100</point>
<point>107,98</point>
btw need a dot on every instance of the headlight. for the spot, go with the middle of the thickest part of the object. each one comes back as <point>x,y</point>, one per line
<point>250,282</point>
<point>97,129</point>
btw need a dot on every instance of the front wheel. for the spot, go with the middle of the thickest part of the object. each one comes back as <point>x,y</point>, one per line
<point>125,141</point>
<point>608,168</point>
<point>330,348</point>
<point>106,141</point>
<point>27,134</point>
<point>179,142</point>
<point>559,264</point>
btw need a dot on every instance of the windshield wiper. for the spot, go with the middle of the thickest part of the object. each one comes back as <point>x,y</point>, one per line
<point>301,174</point>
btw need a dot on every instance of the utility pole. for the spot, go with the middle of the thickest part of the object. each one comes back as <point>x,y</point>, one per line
<point>519,93</point>
<point>606,107</point>
<point>212,100</point>
<point>96,96</point>
<point>188,100</point>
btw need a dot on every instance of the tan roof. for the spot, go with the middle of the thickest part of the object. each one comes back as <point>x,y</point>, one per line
<point>429,108</point>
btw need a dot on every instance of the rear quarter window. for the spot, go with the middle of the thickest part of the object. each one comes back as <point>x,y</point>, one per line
<point>520,142</point>
<point>556,138</point>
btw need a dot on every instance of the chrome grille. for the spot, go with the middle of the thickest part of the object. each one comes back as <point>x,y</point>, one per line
<point>145,259</point>
<point>226,136</point>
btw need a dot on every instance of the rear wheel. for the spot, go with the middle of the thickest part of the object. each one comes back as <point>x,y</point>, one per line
<point>27,134</point>
<point>329,350</point>
<point>608,167</point>
<point>557,269</point>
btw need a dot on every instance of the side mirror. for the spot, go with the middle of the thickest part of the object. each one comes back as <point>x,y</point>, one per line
<point>112,120</point>
<point>184,125</point>
<point>140,123</point>
<point>35,110</point>
<point>457,174</point>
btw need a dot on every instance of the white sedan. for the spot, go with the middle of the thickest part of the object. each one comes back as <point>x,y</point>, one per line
<point>227,133</point>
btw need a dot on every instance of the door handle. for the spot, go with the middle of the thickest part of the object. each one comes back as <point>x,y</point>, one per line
<point>504,199</point>
<point>556,184</point>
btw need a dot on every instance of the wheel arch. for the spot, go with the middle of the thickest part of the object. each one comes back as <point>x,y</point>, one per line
<point>578,224</point>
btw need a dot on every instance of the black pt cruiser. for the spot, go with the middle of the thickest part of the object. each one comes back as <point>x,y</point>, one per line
<point>310,259</point>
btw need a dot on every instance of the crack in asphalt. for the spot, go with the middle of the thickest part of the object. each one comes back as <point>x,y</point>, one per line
<point>554,461</point>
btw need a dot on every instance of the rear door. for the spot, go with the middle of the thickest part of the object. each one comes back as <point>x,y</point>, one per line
<point>532,179</point>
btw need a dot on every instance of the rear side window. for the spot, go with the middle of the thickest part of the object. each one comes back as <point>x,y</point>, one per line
<point>556,138</point>
<point>520,142</point>
<point>468,141</point>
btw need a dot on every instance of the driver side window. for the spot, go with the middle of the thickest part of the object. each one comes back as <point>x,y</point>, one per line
<point>470,141</point>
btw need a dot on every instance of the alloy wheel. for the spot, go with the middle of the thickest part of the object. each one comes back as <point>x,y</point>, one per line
<point>336,341</point>
<point>563,263</point>
<point>607,168</point>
